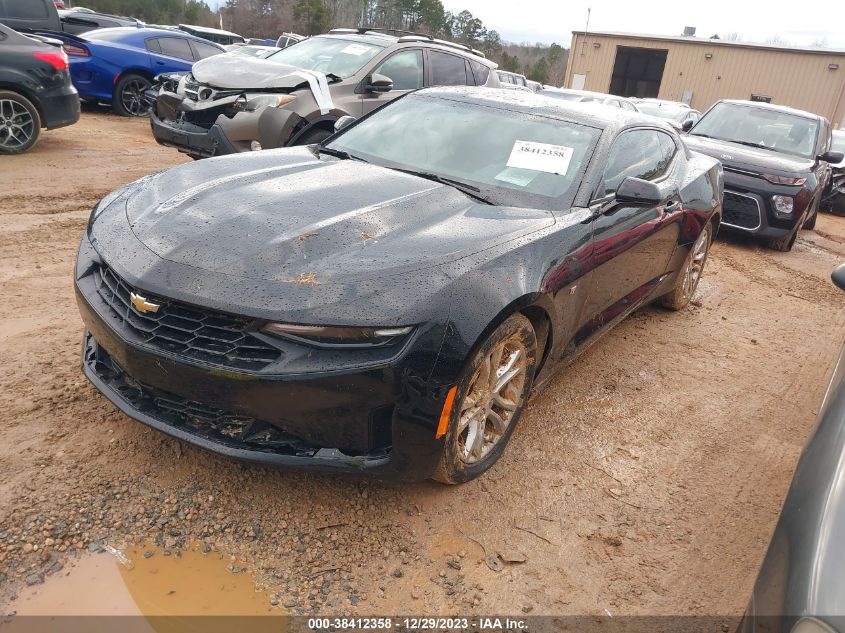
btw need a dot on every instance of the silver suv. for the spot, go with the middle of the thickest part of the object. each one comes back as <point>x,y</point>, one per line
<point>231,103</point>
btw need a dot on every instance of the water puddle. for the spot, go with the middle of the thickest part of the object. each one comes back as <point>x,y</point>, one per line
<point>193,584</point>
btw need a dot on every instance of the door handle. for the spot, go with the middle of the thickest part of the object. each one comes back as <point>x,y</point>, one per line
<point>159,63</point>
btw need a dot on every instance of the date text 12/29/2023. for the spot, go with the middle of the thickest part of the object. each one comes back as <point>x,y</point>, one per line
<point>416,624</point>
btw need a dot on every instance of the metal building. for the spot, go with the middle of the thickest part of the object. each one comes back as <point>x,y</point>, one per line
<point>699,71</point>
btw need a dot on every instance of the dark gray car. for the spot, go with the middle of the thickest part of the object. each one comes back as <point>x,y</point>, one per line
<point>294,97</point>
<point>801,584</point>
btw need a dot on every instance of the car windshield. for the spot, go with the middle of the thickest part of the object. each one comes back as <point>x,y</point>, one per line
<point>760,127</point>
<point>666,111</point>
<point>512,158</point>
<point>328,55</point>
<point>109,35</point>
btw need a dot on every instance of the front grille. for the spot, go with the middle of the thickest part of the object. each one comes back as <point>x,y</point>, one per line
<point>740,211</point>
<point>185,330</point>
<point>198,419</point>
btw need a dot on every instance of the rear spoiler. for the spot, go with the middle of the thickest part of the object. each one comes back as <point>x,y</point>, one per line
<point>62,37</point>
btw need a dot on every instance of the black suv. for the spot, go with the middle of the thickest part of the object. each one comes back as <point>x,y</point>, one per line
<point>776,161</point>
<point>35,89</point>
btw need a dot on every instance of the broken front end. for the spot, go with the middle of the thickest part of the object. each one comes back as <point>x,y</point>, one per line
<point>203,121</point>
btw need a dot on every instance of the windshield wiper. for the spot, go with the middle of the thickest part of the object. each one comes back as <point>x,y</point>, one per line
<point>339,153</point>
<point>752,144</point>
<point>471,190</point>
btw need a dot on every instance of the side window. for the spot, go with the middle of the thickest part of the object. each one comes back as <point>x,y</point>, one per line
<point>176,47</point>
<point>639,154</point>
<point>481,72</point>
<point>201,50</point>
<point>405,68</point>
<point>447,70</point>
<point>152,45</point>
<point>27,9</point>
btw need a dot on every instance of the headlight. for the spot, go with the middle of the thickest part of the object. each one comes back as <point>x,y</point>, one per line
<point>784,180</point>
<point>338,336</point>
<point>257,102</point>
<point>783,205</point>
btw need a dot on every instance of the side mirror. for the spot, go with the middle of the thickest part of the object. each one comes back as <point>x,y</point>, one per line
<point>838,277</point>
<point>832,157</point>
<point>342,122</point>
<point>635,191</point>
<point>686,126</point>
<point>378,83</point>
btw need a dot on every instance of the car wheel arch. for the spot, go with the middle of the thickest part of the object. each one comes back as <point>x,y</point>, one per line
<point>535,308</point>
<point>143,72</point>
<point>28,96</point>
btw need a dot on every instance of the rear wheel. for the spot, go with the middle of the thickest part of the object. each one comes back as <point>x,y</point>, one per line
<point>20,123</point>
<point>687,280</point>
<point>489,401</point>
<point>129,95</point>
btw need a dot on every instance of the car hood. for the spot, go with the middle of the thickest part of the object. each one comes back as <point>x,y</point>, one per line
<point>750,158</point>
<point>232,71</point>
<point>291,216</point>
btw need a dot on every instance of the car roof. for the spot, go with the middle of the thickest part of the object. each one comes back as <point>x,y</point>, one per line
<point>387,39</point>
<point>592,114</point>
<point>143,32</point>
<point>586,93</point>
<point>663,102</point>
<point>773,107</point>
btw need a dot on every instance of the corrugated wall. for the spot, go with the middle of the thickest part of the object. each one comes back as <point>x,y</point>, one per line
<point>798,79</point>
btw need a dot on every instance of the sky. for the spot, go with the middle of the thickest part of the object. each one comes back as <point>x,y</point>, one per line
<point>554,20</point>
<point>550,21</point>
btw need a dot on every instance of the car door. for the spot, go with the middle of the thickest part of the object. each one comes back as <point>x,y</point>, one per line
<point>632,244</point>
<point>406,68</point>
<point>445,69</point>
<point>170,54</point>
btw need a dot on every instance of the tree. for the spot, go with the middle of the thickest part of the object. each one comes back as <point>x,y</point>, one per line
<point>540,71</point>
<point>311,16</point>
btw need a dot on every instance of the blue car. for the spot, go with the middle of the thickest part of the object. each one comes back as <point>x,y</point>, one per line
<point>117,65</point>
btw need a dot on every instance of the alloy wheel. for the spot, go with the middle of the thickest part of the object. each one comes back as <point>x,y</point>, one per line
<point>494,395</point>
<point>132,97</point>
<point>695,267</point>
<point>17,126</point>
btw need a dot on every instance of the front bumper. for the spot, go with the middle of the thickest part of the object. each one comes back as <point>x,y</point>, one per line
<point>378,419</point>
<point>191,139</point>
<point>747,207</point>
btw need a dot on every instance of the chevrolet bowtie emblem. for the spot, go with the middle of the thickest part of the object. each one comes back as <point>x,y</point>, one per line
<point>142,305</point>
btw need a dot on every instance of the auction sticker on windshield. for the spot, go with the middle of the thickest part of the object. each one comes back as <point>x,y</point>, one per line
<point>552,159</point>
<point>356,49</point>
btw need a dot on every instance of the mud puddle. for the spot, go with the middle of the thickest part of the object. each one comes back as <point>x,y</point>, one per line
<point>147,584</point>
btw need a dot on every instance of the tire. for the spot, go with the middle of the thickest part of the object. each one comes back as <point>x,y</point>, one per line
<point>20,123</point>
<point>785,243</point>
<point>512,347</point>
<point>312,137</point>
<point>810,223</point>
<point>128,99</point>
<point>688,277</point>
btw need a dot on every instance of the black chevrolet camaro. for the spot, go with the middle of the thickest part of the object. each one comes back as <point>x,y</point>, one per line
<point>385,302</point>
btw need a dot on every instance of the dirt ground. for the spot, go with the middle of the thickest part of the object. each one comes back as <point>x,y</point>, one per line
<point>645,479</point>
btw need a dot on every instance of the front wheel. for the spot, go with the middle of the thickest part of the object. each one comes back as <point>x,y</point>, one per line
<point>20,124</point>
<point>129,95</point>
<point>489,401</point>
<point>810,223</point>
<point>785,243</point>
<point>688,277</point>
